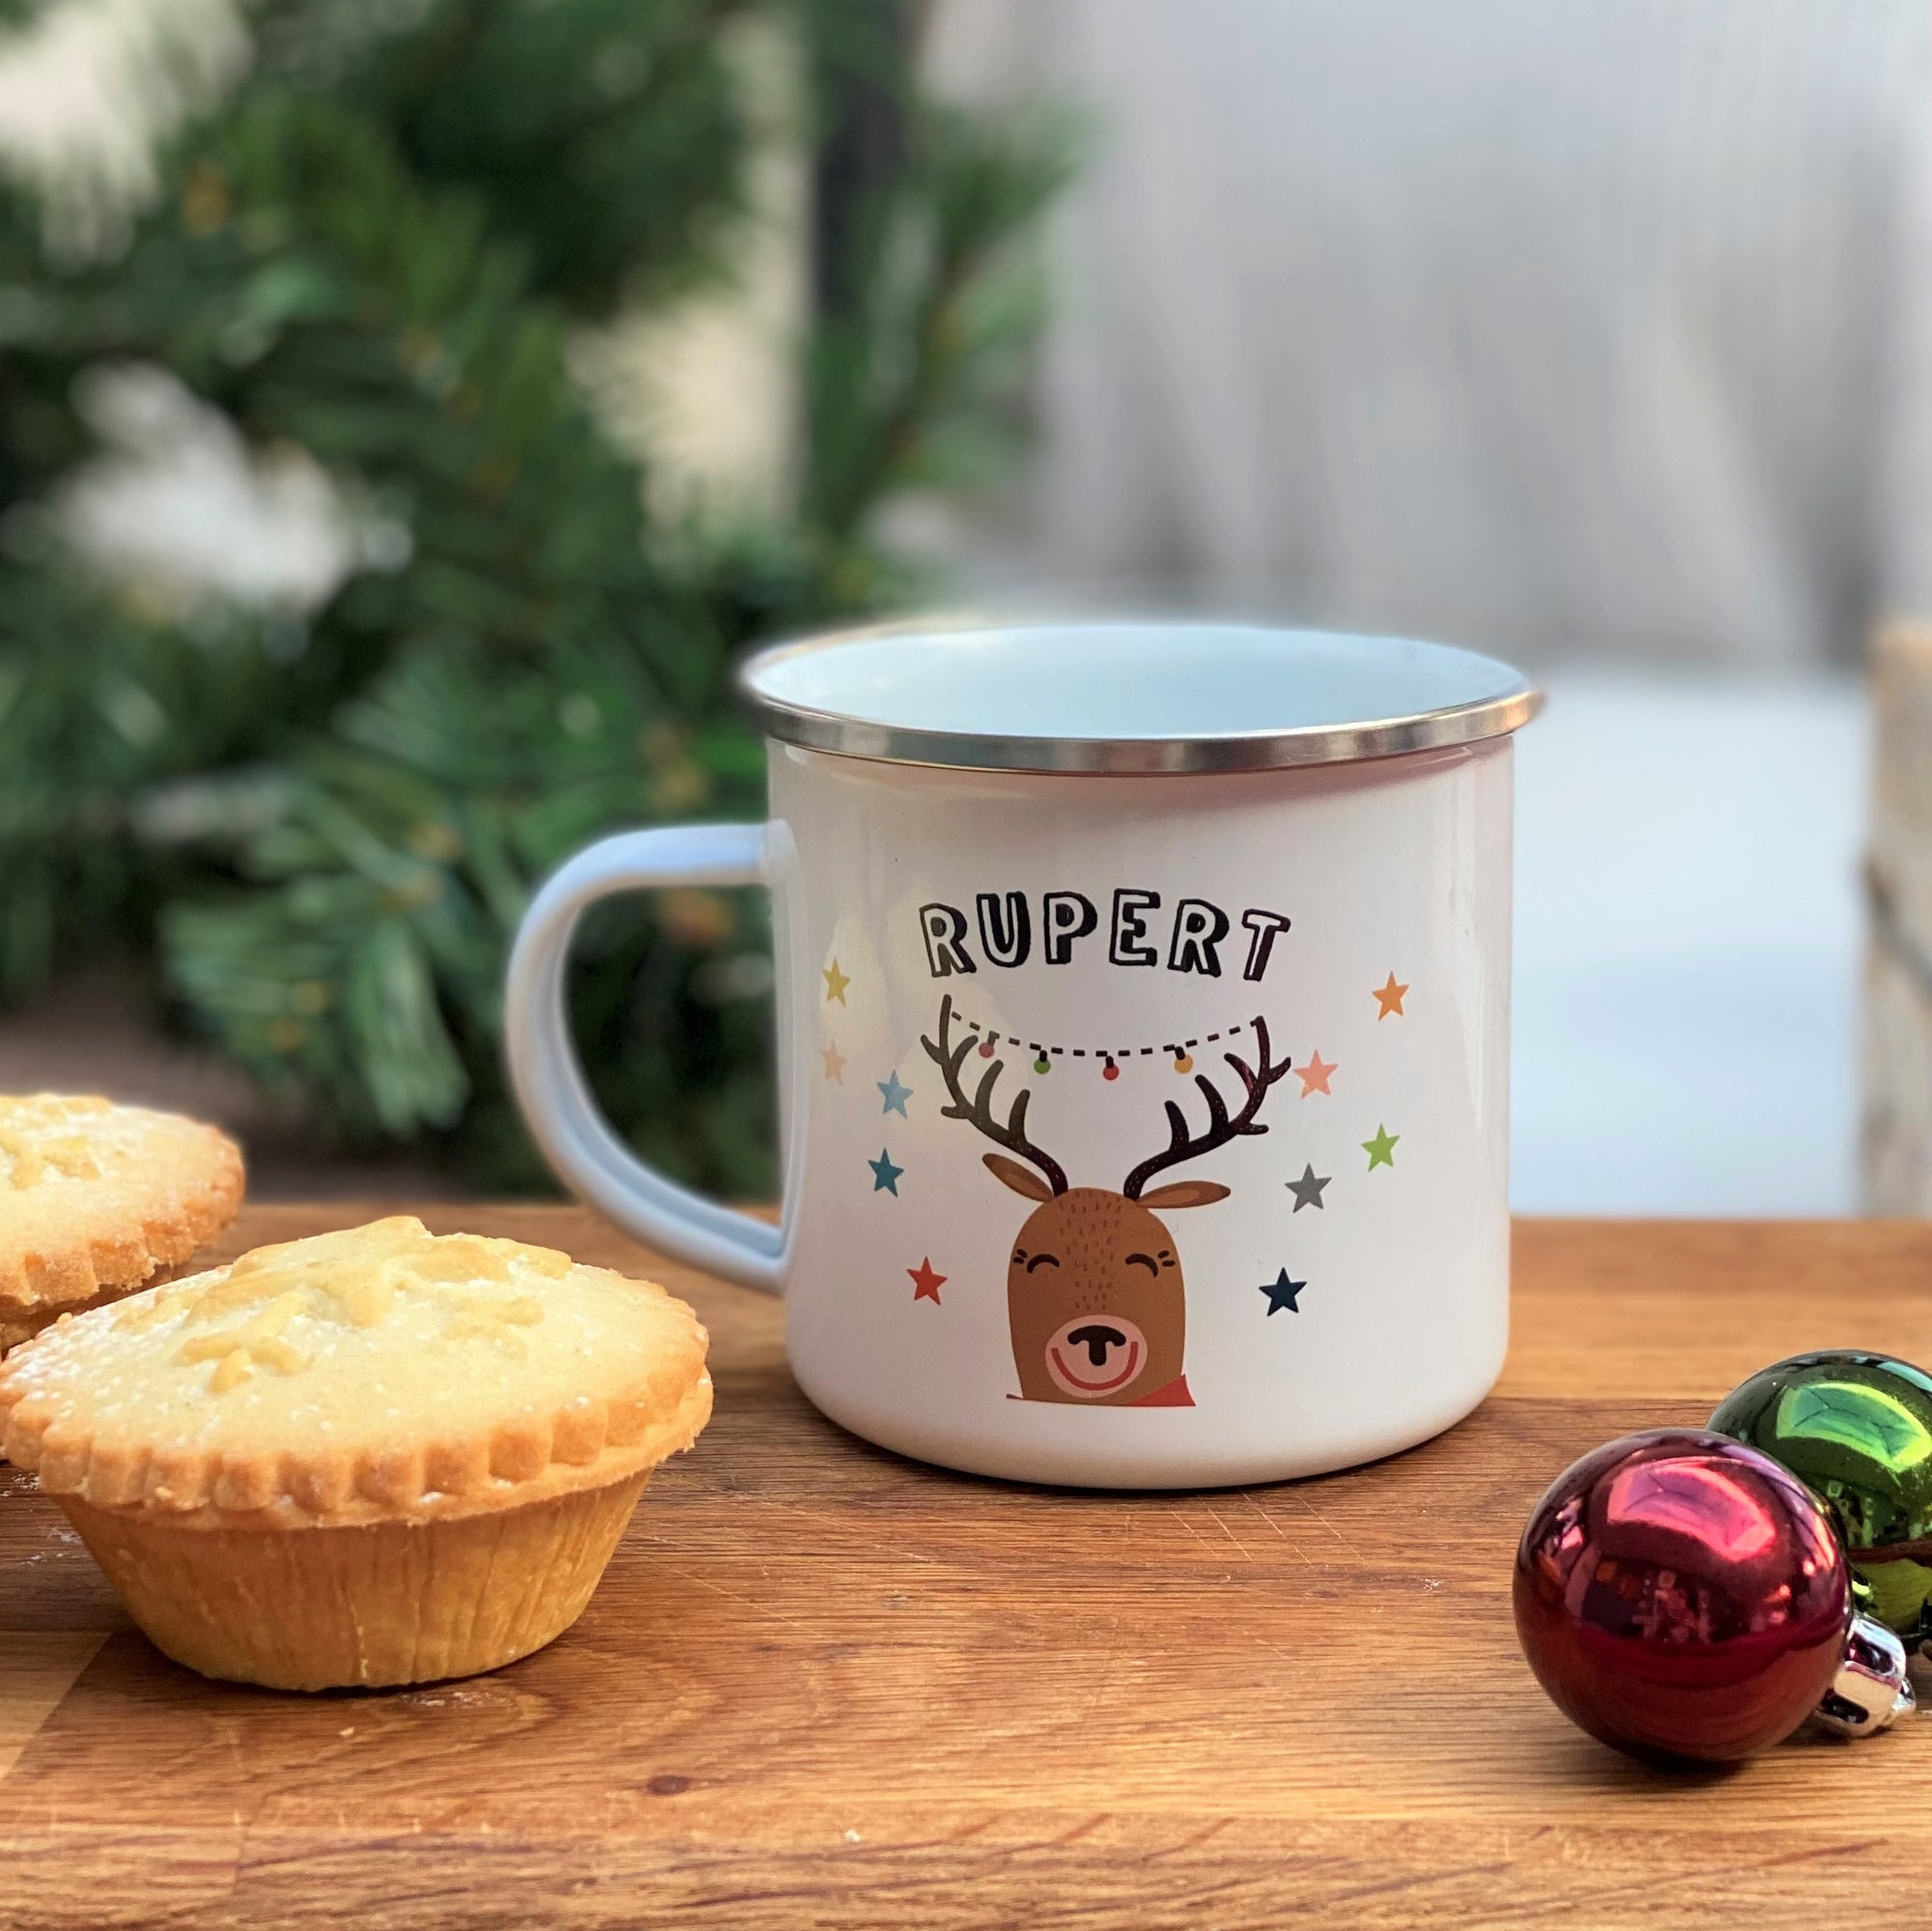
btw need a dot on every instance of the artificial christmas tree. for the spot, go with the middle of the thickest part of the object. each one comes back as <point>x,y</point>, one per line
<point>319,823</point>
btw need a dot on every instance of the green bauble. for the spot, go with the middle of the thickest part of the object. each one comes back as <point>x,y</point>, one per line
<point>1857,1429</point>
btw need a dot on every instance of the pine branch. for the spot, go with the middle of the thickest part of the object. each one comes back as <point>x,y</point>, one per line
<point>608,136</point>
<point>401,860</point>
<point>950,297</point>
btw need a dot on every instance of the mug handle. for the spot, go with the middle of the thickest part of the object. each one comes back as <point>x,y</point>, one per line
<point>549,1083</point>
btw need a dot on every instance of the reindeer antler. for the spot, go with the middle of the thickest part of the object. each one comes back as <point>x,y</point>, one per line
<point>1220,1128</point>
<point>978,1110</point>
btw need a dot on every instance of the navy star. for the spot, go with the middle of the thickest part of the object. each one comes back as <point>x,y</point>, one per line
<point>1307,1190</point>
<point>885,1175</point>
<point>1281,1292</point>
<point>896,1094</point>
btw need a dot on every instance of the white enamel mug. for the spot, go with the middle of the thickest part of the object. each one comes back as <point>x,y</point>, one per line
<point>1144,1037</point>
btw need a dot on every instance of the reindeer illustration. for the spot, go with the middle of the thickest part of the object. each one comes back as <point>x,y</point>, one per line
<point>1095,1300</point>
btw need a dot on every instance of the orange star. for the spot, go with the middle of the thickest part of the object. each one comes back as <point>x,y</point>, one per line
<point>835,1062</point>
<point>1314,1076</point>
<point>1390,998</point>
<point>925,1283</point>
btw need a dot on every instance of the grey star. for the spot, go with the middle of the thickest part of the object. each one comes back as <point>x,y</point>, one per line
<point>1307,1190</point>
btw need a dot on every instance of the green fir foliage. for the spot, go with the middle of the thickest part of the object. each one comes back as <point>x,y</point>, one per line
<point>320,829</point>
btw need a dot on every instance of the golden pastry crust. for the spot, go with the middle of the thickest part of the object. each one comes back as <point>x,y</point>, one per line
<point>370,1607</point>
<point>381,1373</point>
<point>94,1199</point>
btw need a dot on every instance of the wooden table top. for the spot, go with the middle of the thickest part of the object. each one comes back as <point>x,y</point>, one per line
<point>824,1686</point>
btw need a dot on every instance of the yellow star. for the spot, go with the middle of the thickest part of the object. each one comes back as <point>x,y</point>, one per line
<point>1389,997</point>
<point>836,982</point>
<point>835,1062</point>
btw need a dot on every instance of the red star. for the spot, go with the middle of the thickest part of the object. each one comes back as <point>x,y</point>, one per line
<point>925,1283</point>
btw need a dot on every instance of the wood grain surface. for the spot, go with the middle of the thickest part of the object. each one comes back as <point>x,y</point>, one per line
<point>821,1686</point>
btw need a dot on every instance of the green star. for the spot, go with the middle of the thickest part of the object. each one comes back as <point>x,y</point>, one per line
<point>1382,1148</point>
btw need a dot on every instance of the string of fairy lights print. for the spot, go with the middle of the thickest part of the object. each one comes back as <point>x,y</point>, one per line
<point>1045,1051</point>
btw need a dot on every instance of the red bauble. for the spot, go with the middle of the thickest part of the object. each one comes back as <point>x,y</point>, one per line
<point>1679,1594</point>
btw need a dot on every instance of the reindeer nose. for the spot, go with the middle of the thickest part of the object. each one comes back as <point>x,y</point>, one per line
<point>1095,1360</point>
<point>1096,1338</point>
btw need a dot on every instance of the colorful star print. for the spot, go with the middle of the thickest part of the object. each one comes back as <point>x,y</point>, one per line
<point>1307,1190</point>
<point>1281,1292</point>
<point>1382,1148</point>
<point>925,1283</point>
<point>885,1175</point>
<point>835,1062</point>
<point>1314,1076</point>
<point>1389,998</point>
<point>836,982</point>
<point>896,1094</point>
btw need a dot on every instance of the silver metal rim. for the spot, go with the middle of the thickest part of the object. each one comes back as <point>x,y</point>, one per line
<point>847,736</point>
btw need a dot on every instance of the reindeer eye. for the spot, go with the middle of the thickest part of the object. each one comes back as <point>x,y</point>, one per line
<point>1042,1260</point>
<point>1142,1261</point>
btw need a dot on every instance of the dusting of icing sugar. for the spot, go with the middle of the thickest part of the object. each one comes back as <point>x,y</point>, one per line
<point>333,1284</point>
<point>38,1144</point>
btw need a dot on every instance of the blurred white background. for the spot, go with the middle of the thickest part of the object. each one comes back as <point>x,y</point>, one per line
<point>1688,945</point>
<point>1597,336</point>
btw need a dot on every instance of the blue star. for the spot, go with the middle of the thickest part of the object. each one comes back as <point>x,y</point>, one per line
<point>885,1175</point>
<point>896,1094</point>
<point>1281,1292</point>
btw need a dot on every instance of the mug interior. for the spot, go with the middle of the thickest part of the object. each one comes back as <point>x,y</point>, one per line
<point>1313,693</point>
